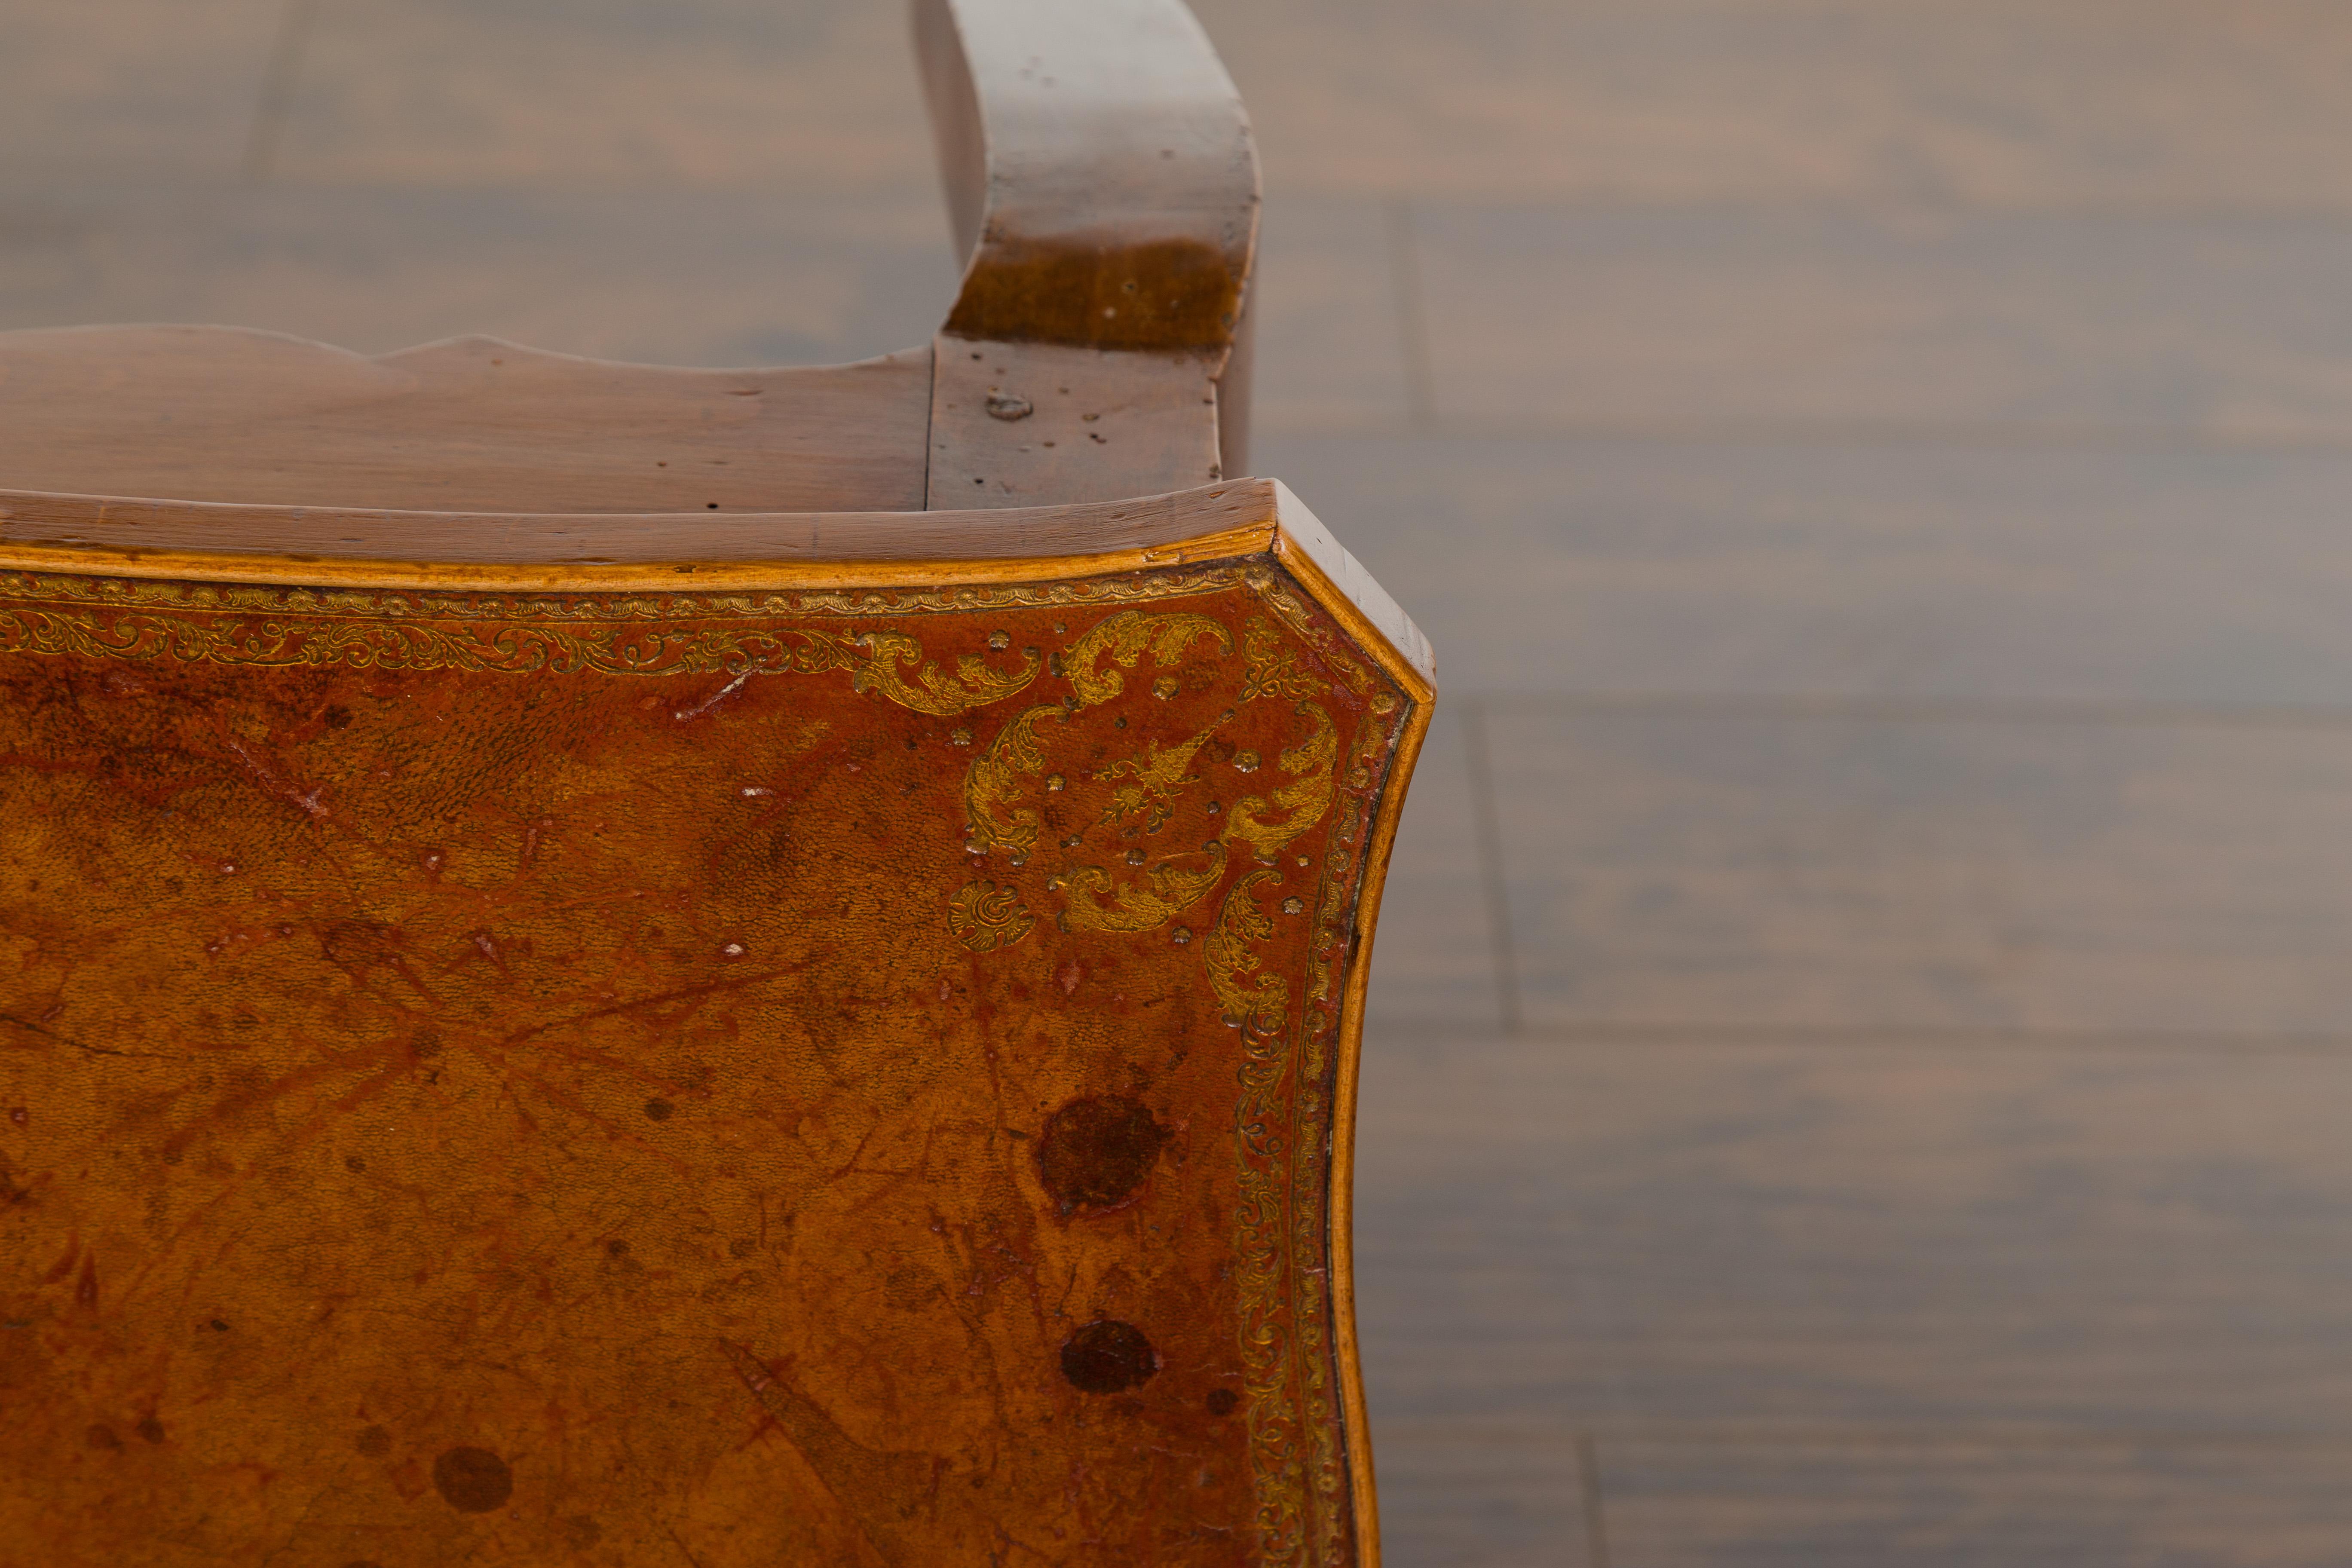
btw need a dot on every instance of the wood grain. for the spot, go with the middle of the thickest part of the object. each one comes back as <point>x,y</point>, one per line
<point>1876,1235</point>
<point>1105,194</point>
<point>1907,569</point>
<point>1022,424</point>
<point>1330,354</point>
<point>1103,191</point>
<point>1859,1505</point>
<point>792,277</point>
<point>1099,171</point>
<point>543,550</point>
<point>2100,105</point>
<point>1752,318</point>
<point>626,94</point>
<point>138,90</point>
<point>214,414</point>
<point>1455,1501</point>
<point>1823,868</point>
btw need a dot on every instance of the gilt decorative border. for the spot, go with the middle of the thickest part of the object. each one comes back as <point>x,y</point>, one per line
<point>165,597</point>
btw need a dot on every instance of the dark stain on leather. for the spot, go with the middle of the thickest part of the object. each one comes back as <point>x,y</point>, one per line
<point>1108,1356</point>
<point>1096,1151</point>
<point>473,1480</point>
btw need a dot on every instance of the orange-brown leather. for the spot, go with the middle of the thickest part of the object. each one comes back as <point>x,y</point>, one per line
<point>759,1078</point>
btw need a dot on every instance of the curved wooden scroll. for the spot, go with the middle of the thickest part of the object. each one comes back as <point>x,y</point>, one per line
<point>1099,173</point>
<point>1104,189</point>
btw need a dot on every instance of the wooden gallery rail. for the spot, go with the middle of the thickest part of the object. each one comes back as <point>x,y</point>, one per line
<point>614,965</point>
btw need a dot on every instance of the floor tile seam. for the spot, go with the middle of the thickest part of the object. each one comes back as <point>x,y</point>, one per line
<point>1468,197</point>
<point>1437,203</point>
<point>1925,435</point>
<point>1904,1437</point>
<point>1859,708</point>
<point>99,186</point>
<point>1387,1030</point>
<point>1412,316</point>
<point>1487,826</point>
<point>281,78</point>
<point>1592,1502</point>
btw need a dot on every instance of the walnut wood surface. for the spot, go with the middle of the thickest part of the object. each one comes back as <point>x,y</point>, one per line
<point>851,1069</point>
<point>474,425</point>
<point>1103,188</point>
<point>1099,171</point>
<point>143,537</point>
<point>1020,423</point>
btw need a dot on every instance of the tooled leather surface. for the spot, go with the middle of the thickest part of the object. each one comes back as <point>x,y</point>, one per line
<point>831,1082</point>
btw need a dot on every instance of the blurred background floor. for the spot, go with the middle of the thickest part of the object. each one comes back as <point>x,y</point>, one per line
<point>1862,1032</point>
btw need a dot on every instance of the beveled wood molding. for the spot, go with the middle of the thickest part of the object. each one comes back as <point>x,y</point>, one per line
<point>535,552</point>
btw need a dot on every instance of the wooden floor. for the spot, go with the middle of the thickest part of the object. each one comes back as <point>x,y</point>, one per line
<point>1862,1058</point>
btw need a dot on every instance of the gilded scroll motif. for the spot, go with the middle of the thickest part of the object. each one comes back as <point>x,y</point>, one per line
<point>873,661</point>
<point>1231,961</point>
<point>1126,638</point>
<point>1167,890</point>
<point>997,784</point>
<point>1272,670</point>
<point>1269,1318</point>
<point>1158,774</point>
<point>993,785</point>
<point>1266,826</point>
<point>985,917</point>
